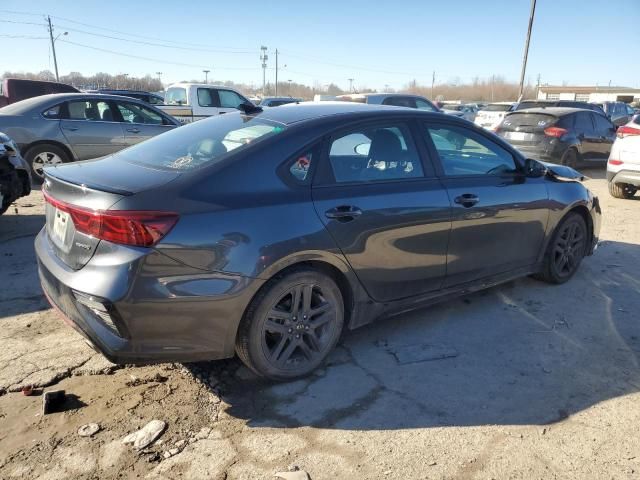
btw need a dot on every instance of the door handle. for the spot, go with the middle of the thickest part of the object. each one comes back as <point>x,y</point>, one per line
<point>467,200</point>
<point>344,213</point>
<point>133,130</point>
<point>71,129</point>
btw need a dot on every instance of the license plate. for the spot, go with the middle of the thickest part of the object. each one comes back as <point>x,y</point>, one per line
<point>517,136</point>
<point>60,224</point>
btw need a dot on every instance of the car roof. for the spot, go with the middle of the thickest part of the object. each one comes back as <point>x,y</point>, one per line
<point>53,98</point>
<point>553,110</point>
<point>298,112</point>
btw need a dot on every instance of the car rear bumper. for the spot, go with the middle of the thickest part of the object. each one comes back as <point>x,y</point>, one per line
<point>624,176</point>
<point>164,312</point>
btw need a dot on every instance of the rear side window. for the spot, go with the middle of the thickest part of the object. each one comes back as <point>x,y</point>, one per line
<point>208,97</point>
<point>374,153</point>
<point>602,124</point>
<point>53,113</point>
<point>201,143</point>
<point>583,123</point>
<point>464,152</point>
<point>176,96</point>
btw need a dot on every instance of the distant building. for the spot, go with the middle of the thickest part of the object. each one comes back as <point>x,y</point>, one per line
<point>589,94</point>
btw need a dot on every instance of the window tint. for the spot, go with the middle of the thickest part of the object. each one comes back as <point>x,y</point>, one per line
<point>583,122</point>
<point>176,96</point>
<point>53,112</point>
<point>464,152</point>
<point>400,102</point>
<point>424,105</point>
<point>91,110</point>
<point>300,167</point>
<point>208,97</point>
<point>374,154</point>
<point>229,99</point>
<point>602,124</point>
<point>201,143</point>
<point>133,113</point>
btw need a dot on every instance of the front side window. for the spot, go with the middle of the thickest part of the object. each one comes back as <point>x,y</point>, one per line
<point>201,143</point>
<point>464,152</point>
<point>374,154</point>
<point>424,105</point>
<point>400,102</point>
<point>92,110</point>
<point>229,99</point>
<point>134,113</point>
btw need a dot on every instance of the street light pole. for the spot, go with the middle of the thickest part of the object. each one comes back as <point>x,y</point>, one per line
<point>206,75</point>
<point>53,47</point>
<point>350,84</point>
<point>276,72</point>
<point>159,79</point>
<point>526,49</point>
<point>263,58</point>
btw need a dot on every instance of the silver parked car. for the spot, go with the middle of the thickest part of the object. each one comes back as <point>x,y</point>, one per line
<point>66,127</point>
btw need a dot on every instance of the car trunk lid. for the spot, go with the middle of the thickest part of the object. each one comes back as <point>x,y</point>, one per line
<point>526,129</point>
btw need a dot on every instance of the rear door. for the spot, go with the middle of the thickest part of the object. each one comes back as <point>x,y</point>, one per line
<point>499,216</point>
<point>586,134</point>
<point>605,132</point>
<point>140,122</point>
<point>385,209</point>
<point>91,128</point>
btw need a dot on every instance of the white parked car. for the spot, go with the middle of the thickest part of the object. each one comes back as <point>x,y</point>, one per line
<point>492,115</point>
<point>194,101</point>
<point>623,167</point>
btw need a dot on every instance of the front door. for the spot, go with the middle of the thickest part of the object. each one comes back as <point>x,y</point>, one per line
<point>385,209</point>
<point>91,129</point>
<point>140,122</point>
<point>499,216</point>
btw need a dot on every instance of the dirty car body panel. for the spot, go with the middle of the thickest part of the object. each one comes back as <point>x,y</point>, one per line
<point>232,224</point>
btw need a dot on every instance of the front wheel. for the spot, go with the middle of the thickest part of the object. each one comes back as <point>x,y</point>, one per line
<point>622,190</point>
<point>566,250</point>
<point>291,325</point>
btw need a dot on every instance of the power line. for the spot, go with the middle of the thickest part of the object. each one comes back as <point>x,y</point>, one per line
<point>29,37</point>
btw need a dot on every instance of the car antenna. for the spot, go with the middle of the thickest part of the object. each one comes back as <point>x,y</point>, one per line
<point>249,108</point>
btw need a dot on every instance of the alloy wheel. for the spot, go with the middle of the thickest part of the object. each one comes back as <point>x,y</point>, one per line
<point>43,159</point>
<point>298,328</point>
<point>569,248</point>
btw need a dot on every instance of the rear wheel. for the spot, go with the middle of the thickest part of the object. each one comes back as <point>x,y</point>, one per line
<point>566,250</point>
<point>291,325</point>
<point>42,155</point>
<point>570,158</point>
<point>622,190</point>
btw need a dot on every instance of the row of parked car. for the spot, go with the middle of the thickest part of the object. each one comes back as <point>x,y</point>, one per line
<point>58,128</point>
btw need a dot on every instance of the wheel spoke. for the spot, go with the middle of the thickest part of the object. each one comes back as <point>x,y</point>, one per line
<point>275,327</point>
<point>296,293</point>
<point>307,294</point>
<point>275,353</point>
<point>306,350</point>
<point>286,354</point>
<point>321,320</point>
<point>278,314</point>
<point>324,308</point>
<point>314,341</point>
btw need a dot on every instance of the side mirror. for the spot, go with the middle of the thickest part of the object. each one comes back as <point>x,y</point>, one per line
<point>362,149</point>
<point>534,169</point>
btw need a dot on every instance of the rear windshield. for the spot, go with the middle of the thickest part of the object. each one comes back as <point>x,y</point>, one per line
<point>532,104</point>
<point>497,107</point>
<point>201,143</point>
<point>349,98</point>
<point>530,120</point>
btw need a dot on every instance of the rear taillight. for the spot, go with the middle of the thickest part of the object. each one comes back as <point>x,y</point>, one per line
<point>128,227</point>
<point>555,132</point>
<point>615,162</point>
<point>626,131</point>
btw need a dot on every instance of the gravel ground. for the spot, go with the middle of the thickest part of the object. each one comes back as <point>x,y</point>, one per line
<point>535,381</point>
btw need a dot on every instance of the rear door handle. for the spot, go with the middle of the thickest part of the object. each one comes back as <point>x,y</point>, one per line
<point>71,129</point>
<point>344,213</point>
<point>133,130</point>
<point>467,200</point>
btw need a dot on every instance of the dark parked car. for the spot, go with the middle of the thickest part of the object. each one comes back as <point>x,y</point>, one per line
<point>525,104</point>
<point>15,180</point>
<point>392,99</point>
<point>620,113</point>
<point>14,90</point>
<point>147,97</point>
<point>569,136</point>
<point>62,128</point>
<point>277,101</point>
<point>265,233</point>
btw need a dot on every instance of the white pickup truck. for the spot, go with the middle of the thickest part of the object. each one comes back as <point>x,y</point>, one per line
<point>188,102</point>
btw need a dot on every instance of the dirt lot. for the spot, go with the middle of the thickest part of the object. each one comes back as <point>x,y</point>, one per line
<point>539,382</point>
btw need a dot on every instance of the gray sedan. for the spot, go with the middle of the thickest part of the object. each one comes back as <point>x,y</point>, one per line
<point>60,128</point>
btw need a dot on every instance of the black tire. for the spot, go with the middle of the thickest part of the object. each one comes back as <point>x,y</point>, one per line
<point>566,250</point>
<point>43,149</point>
<point>570,158</point>
<point>622,190</point>
<point>274,341</point>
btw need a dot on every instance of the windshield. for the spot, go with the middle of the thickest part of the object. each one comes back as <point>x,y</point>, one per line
<point>176,96</point>
<point>201,143</point>
<point>497,107</point>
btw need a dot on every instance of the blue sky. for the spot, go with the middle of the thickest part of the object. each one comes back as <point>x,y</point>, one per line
<point>376,43</point>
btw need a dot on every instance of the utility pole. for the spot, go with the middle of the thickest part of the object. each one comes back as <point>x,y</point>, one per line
<point>53,48</point>
<point>538,86</point>
<point>206,75</point>
<point>386,87</point>
<point>289,87</point>
<point>263,58</point>
<point>159,79</point>
<point>277,72</point>
<point>526,49</point>
<point>350,84</point>
<point>433,81</point>
<point>492,80</point>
